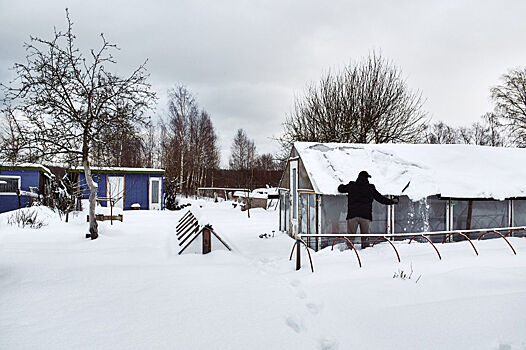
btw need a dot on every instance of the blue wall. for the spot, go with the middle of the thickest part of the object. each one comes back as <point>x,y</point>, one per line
<point>28,178</point>
<point>136,187</point>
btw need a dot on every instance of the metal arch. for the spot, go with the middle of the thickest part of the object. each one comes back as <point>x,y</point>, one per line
<point>292,251</point>
<point>306,247</point>
<point>392,245</point>
<point>500,234</point>
<point>512,231</point>
<point>352,246</point>
<point>463,235</point>
<point>427,239</point>
<point>308,252</point>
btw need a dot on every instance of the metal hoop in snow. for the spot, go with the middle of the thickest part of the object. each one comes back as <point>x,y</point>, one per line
<point>392,245</point>
<point>463,235</point>
<point>512,231</point>
<point>500,234</point>
<point>352,246</point>
<point>427,239</point>
<point>306,247</point>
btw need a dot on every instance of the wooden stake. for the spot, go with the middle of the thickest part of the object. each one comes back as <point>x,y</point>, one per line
<point>298,254</point>
<point>207,241</point>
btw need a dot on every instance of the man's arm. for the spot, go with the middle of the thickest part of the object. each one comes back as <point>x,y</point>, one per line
<point>381,199</point>
<point>344,188</point>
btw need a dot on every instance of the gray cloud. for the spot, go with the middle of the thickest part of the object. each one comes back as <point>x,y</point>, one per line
<point>246,60</point>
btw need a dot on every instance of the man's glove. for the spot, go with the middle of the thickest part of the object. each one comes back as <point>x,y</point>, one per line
<point>396,199</point>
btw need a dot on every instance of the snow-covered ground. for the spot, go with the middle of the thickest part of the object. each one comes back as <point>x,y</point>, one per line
<point>130,290</point>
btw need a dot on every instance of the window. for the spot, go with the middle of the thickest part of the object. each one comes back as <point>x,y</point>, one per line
<point>9,184</point>
<point>155,191</point>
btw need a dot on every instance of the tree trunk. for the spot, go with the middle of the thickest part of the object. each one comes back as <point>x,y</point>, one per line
<point>93,226</point>
<point>181,173</point>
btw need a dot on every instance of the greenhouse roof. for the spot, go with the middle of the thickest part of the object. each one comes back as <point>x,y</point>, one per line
<point>458,171</point>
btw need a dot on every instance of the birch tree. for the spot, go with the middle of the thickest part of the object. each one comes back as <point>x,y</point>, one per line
<point>64,100</point>
<point>242,152</point>
<point>188,141</point>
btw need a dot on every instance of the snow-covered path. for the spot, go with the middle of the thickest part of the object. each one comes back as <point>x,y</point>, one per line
<point>130,290</point>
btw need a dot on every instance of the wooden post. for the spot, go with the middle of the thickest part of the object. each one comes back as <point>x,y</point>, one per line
<point>298,254</point>
<point>207,241</point>
<point>248,203</point>
<point>18,196</point>
<point>470,212</point>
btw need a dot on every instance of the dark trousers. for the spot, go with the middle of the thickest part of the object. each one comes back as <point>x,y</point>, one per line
<point>352,228</point>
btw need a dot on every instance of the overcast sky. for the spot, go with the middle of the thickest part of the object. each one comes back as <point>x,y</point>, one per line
<point>246,60</point>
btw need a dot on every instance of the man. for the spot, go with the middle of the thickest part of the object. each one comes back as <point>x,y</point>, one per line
<point>360,196</point>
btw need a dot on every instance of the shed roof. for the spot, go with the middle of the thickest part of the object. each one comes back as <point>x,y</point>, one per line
<point>119,170</point>
<point>459,171</point>
<point>26,166</point>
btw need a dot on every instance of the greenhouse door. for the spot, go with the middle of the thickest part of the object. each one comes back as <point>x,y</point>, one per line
<point>294,196</point>
<point>155,193</point>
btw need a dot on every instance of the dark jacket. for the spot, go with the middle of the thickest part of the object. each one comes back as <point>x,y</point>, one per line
<point>360,196</point>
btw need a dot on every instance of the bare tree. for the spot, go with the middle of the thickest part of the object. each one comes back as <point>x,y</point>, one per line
<point>487,132</point>
<point>151,145</point>
<point>368,102</point>
<point>188,141</point>
<point>243,152</point>
<point>440,133</point>
<point>181,107</point>
<point>12,148</point>
<point>119,146</point>
<point>66,100</point>
<point>497,135</point>
<point>267,162</point>
<point>510,99</point>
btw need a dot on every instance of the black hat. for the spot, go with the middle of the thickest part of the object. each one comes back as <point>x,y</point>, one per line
<point>364,173</point>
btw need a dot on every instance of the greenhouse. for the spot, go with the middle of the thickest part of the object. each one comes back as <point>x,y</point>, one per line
<point>441,188</point>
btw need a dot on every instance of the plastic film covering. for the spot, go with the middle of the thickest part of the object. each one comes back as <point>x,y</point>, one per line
<point>519,216</point>
<point>426,215</point>
<point>334,213</point>
<point>303,209</point>
<point>308,217</point>
<point>284,207</point>
<point>312,213</point>
<point>379,223</point>
<point>519,212</point>
<point>484,214</point>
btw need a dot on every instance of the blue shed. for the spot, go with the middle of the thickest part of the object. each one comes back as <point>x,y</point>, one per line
<point>21,184</point>
<point>128,187</point>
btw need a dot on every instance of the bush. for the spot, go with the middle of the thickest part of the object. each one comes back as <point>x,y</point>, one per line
<point>26,218</point>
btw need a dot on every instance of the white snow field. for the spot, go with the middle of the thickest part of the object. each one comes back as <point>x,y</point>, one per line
<point>130,289</point>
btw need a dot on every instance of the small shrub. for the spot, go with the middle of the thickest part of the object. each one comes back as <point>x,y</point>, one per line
<point>26,218</point>
<point>404,275</point>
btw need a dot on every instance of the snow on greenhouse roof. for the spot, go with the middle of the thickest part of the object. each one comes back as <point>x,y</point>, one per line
<point>459,171</point>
